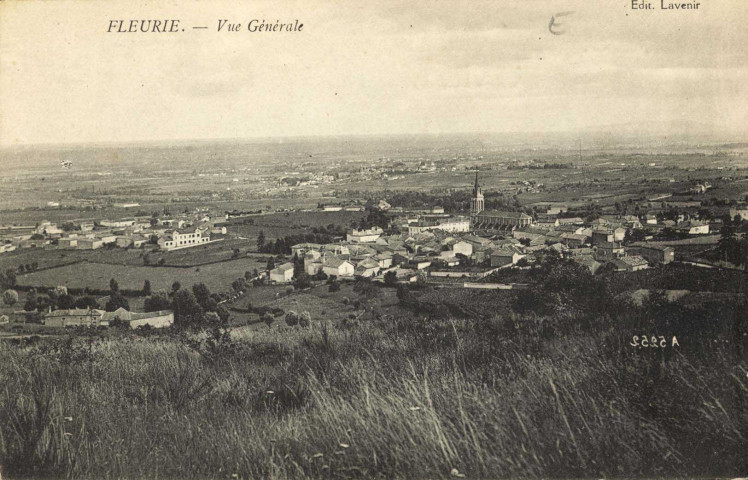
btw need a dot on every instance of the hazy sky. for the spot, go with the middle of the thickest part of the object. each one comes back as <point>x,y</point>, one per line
<point>365,67</point>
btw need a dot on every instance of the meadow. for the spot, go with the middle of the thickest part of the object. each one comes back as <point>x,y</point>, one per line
<point>510,390</point>
<point>217,276</point>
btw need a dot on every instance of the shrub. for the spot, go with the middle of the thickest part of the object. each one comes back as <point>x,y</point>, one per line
<point>292,319</point>
<point>305,319</point>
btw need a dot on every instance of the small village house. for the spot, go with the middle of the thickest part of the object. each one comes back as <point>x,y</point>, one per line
<point>282,274</point>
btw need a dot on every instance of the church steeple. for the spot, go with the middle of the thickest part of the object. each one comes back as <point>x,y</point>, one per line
<point>476,204</point>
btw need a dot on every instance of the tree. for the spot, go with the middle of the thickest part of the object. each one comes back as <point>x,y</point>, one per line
<point>86,301</point>
<point>375,218</point>
<point>116,301</point>
<point>65,301</point>
<point>268,319</point>
<point>271,264</point>
<point>390,279</point>
<point>10,297</point>
<point>260,240</point>
<point>10,275</point>
<point>147,288</point>
<point>113,286</point>
<point>202,295</point>
<point>302,281</point>
<point>366,288</point>
<point>239,285</point>
<point>31,302</point>
<point>186,309</point>
<point>175,287</point>
<point>157,302</point>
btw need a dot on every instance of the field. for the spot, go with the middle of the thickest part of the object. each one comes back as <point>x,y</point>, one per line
<point>217,276</point>
<point>290,223</point>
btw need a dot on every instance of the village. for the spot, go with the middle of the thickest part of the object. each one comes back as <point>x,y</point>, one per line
<point>390,245</point>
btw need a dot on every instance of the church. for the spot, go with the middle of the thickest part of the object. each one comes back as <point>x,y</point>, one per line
<point>482,219</point>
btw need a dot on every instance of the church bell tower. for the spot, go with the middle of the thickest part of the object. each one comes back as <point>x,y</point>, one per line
<point>476,204</point>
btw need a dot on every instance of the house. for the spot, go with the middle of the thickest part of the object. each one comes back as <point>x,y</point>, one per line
<point>182,239</point>
<point>619,234</point>
<point>138,241</point>
<point>118,223</point>
<point>588,262</point>
<point>608,250</point>
<point>629,263</point>
<point>631,221</point>
<point>72,317</point>
<point>559,247</point>
<point>370,235</point>
<point>655,253</point>
<point>124,241</point>
<point>546,225</point>
<point>384,259</point>
<point>741,212</point>
<point>493,219</point>
<point>89,243</point>
<point>462,247</point>
<point>692,227</point>
<point>534,237</point>
<point>570,221</point>
<point>602,235</point>
<point>367,268</point>
<point>404,274</point>
<point>505,258</point>
<point>556,209</point>
<point>67,242</point>
<point>574,240</point>
<point>383,205</point>
<point>301,248</point>
<point>338,267</point>
<point>160,319</point>
<point>650,219</point>
<point>312,267</point>
<point>419,263</point>
<point>450,224</point>
<point>282,274</point>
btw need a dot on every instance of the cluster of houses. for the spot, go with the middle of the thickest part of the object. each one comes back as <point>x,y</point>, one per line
<point>188,230</point>
<point>449,246</point>
<point>475,253</point>
<point>99,318</point>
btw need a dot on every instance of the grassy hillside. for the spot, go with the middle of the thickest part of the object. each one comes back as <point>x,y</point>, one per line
<point>552,391</point>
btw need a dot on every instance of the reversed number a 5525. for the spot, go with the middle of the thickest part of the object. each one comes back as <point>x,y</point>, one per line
<point>652,341</point>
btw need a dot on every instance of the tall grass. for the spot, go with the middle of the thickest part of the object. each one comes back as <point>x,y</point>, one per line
<point>413,398</point>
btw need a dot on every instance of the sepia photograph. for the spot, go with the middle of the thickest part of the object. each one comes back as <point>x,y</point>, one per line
<point>385,239</point>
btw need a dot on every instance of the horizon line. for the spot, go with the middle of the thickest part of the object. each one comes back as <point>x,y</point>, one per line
<point>736,137</point>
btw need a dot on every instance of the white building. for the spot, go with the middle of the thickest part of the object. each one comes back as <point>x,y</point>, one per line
<point>176,239</point>
<point>282,274</point>
<point>465,248</point>
<point>339,268</point>
<point>370,235</point>
<point>449,224</point>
